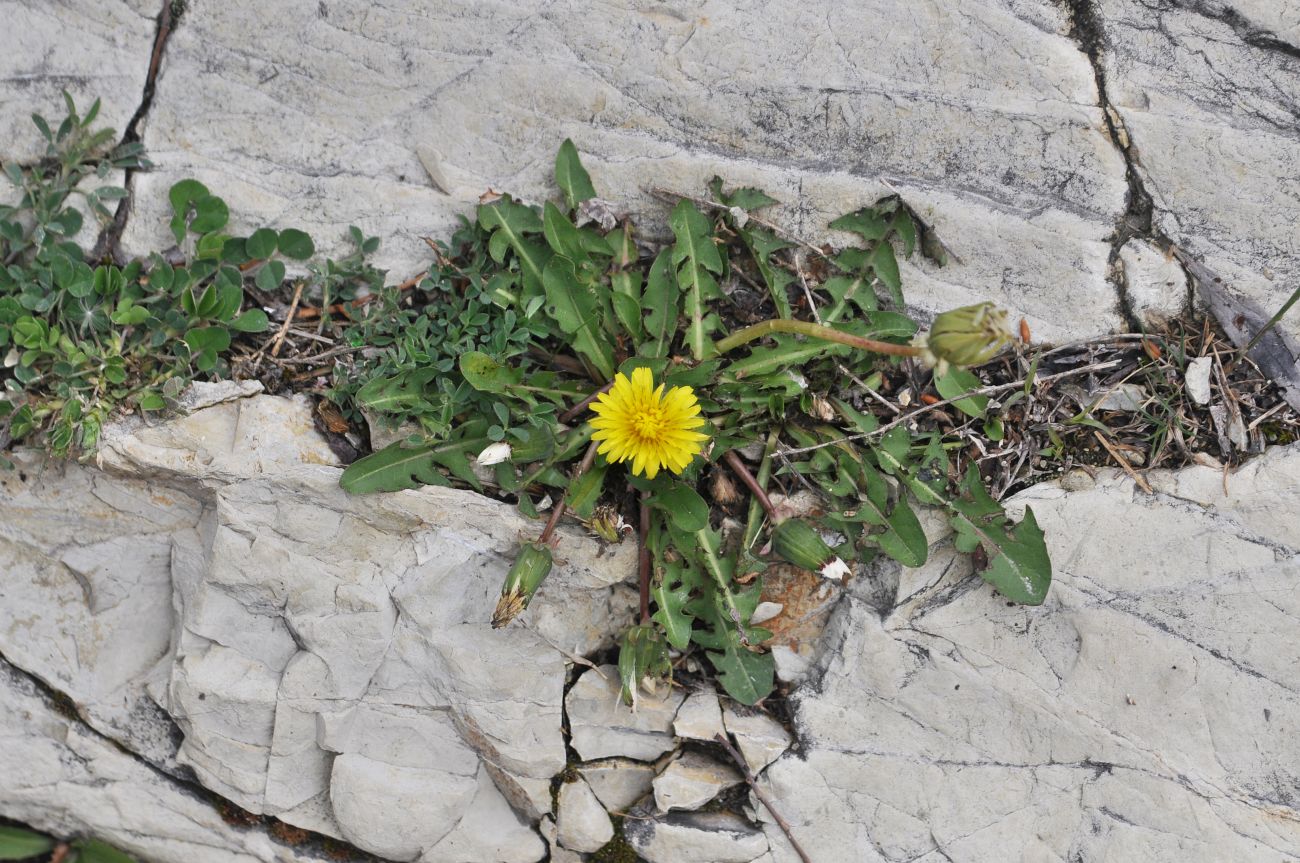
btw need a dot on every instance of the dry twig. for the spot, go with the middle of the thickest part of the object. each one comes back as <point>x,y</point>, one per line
<point>762,795</point>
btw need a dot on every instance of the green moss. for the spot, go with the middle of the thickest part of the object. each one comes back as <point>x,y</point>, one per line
<point>616,850</point>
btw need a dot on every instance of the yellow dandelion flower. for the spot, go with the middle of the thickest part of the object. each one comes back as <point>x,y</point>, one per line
<point>637,420</point>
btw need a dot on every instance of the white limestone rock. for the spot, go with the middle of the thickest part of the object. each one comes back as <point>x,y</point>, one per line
<point>759,737</point>
<point>58,775</point>
<point>86,595</point>
<point>227,442</point>
<point>601,725</point>
<point>694,837</point>
<point>205,394</point>
<point>699,717</point>
<point>1156,285</point>
<point>618,783</point>
<point>582,824</point>
<point>1206,94</point>
<point>1197,379</point>
<point>552,836</point>
<point>488,830</point>
<point>94,49</point>
<point>328,658</point>
<point>996,136</point>
<point>692,780</point>
<point>792,665</point>
<point>1144,712</point>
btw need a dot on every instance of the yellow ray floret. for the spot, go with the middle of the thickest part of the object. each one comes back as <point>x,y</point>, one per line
<point>637,420</point>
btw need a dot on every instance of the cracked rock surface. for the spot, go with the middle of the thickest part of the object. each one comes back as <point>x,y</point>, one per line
<point>1038,136</point>
<point>214,609</point>
<point>984,113</point>
<point>58,775</point>
<point>1147,711</point>
<point>1208,92</point>
<point>327,659</point>
<point>94,49</point>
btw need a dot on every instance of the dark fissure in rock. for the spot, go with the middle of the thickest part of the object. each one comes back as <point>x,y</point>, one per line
<point>109,238</point>
<point>1086,29</point>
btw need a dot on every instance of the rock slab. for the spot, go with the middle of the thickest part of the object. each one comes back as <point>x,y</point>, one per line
<point>984,114</point>
<point>1147,711</point>
<point>60,776</point>
<point>602,726</point>
<point>327,659</point>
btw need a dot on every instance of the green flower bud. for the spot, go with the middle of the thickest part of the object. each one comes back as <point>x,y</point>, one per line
<point>799,543</point>
<point>967,336</point>
<point>529,571</point>
<point>642,661</point>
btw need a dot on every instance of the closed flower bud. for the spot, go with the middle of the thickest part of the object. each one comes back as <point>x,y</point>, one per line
<point>799,543</point>
<point>529,571</point>
<point>967,336</point>
<point>642,661</point>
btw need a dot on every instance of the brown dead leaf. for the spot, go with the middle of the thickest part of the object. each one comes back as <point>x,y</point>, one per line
<point>806,600</point>
<point>332,417</point>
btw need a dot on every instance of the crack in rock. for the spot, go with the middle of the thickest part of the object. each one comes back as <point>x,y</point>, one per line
<point>111,236</point>
<point>1136,221</point>
<point>122,797</point>
<point>1133,714</point>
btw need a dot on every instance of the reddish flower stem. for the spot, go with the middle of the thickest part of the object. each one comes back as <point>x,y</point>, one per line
<point>738,468</point>
<point>572,413</point>
<point>557,512</point>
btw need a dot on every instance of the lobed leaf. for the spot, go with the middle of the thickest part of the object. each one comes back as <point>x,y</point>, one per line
<point>573,306</point>
<point>697,259</point>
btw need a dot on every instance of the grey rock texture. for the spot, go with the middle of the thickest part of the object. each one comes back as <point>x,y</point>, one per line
<point>691,781</point>
<point>618,782</point>
<point>602,726</point>
<point>1156,286</point>
<point>58,775</point>
<point>1206,93</point>
<point>1147,711</point>
<point>1003,149</point>
<point>327,658</point>
<point>699,717</point>
<point>94,49</point>
<point>209,601</point>
<point>581,822</point>
<point>759,737</point>
<point>985,114</point>
<point>694,837</point>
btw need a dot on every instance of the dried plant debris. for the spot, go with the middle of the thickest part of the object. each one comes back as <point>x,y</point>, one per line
<point>1246,325</point>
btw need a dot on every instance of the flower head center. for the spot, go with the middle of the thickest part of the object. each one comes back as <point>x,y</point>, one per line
<point>649,423</point>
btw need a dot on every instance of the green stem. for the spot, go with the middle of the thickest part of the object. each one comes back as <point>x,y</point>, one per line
<point>755,519</point>
<point>816,331</point>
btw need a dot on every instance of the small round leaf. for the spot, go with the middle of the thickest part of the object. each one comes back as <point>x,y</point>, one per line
<point>296,244</point>
<point>262,243</point>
